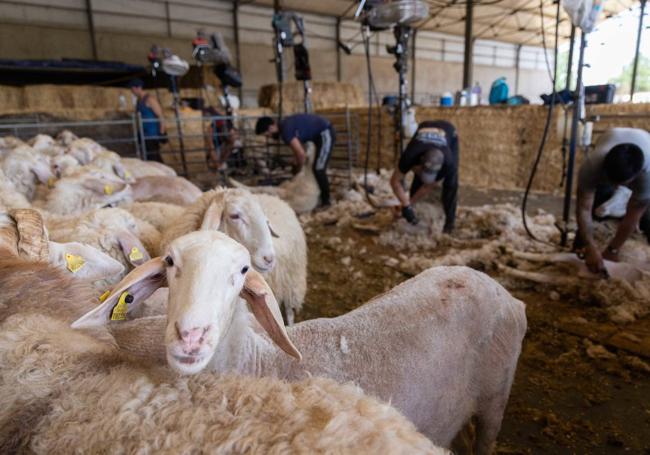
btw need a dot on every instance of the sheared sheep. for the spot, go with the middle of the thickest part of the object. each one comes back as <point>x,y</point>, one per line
<point>443,346</point>
<point>159,214</point>
<point>247,218</point>
<point>53,375</point>
<point>301,192</point>
<point>173,190</point>
<point>139,168</point>
<point>23,235</point>
<point>25,169</point>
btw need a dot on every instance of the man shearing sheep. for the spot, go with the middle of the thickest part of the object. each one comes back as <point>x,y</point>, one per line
<point>295,131</point>
<point>621,157</point>
<point>432,155</point>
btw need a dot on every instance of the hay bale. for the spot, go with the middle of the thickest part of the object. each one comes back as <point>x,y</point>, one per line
<point>324,95</point>
<point>194,131</point>
<point>11,97</point>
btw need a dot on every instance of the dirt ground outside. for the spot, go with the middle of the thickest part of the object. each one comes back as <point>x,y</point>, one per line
<point>571,394</point>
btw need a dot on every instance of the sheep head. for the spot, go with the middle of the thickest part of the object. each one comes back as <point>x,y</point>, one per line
<point>208,274</point>
<point>237,213</point>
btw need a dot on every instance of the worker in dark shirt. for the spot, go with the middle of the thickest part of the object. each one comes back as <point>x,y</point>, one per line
<point>432,155</point>
<point>153,120</point>
<point>295,131</point>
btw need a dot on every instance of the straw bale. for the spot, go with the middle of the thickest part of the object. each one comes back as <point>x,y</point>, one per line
<point>11,97</point>
<point>194,141</point>
<point>324,95</point>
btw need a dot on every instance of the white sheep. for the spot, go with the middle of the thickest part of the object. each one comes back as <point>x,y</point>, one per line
<point>23,235</point>
<point>66,137</point>
<point>52,376</point>
<point>442,347</point>
<point>172,190</point>
<point>139,168</point>
<point>159,214</point>
<point>10,198</point>
<point>301,192</point>
<point>25,169</point>
<point>244,217</point>
<point>84,149</point>
<point>113,231</point>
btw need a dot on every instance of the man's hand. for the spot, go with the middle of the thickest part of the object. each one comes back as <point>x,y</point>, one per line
<point>409,215</point>
<point>594,260</point>
<point>610,254</point>
<point>447,229</point>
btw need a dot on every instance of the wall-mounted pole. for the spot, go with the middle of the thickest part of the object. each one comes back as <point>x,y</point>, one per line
<point>413,46</point>
<point>168,19</point>
<point>636,55</point>
<point>569,69</point>
<point>468,63</point>
<point>338,49</point>
<point>235,22</point>
<point>91,28</point>
<point>517,66</point>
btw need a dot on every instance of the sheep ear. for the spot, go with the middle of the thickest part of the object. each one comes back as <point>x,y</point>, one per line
<point>134,251</point>
<point>273,233</point>
<point>212,217</point>
<point>266,310</point>
<point>140,283</point>
<point>42,172</point>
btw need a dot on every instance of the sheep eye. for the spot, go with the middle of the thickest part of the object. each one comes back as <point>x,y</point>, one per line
<point>244,270</point>
<point>234,216</point>
<point>169,261</point>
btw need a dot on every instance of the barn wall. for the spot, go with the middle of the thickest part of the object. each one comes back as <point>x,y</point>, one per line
<point>125,29</point>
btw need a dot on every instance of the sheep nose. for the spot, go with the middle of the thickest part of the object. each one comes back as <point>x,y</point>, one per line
<point>192,339</point>
<point>269,259</point>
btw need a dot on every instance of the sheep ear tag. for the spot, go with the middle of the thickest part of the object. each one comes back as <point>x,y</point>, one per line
<point>50,182</point>
<point>108,189</point>
<point>74,263</point>
<point>134,288</point>
<point>135,254</point>
<point>266,310</point>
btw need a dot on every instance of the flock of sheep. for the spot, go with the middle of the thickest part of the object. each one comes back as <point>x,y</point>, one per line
<point>117,275</point>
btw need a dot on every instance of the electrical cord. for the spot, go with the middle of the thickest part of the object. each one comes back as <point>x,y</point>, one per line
<point>371,89</point>
<point>548,117</point>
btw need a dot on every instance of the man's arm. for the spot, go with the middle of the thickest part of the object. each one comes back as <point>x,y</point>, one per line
<point>450,200</point>
<point>593,258</point>
<point>155,107</point>
<point>422,191</point>
<point>298,151</point>
<point>629,223</point>
<point>398,189</point>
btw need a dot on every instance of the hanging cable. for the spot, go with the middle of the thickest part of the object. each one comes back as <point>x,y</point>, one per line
<point>549,117</point>
<point>371,90</point>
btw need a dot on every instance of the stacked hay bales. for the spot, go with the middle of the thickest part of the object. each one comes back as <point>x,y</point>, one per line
<point>194,136</point>
<point>324,95</point>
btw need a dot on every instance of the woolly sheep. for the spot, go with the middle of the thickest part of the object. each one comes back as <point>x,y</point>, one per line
<point>301,192</point>
<point>159,214</point>
<point>52,376</point>
<point>139,168</point>
<point>23,235</point>
<point>173,190</point>
<point>84,149</point>
<point>10,198</point>
<point>288,278</point>
<point>66,137</point>
<point>442,347</point>
<point>111,162</point>
<point>25,169</point>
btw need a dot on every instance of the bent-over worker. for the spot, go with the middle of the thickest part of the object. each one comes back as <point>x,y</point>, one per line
<point>432,155</point>
<point>621,157</point>
<point>296,130</point>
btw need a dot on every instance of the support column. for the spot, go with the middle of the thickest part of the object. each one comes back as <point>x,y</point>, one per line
<point>91,28</point>
<point>517,65</point>
<point>570,64</point>
<point>636,55</point>
<point>235,22</point>
<point>468,62</point>
<point>415,32</point>
<point>338,49</point>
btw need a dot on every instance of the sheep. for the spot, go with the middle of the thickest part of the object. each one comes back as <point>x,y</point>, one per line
<point>113,230</point>
<point>173,190</point>
<point>301,192</point>
<point>84,149</point>
<point>83,191</point>
<point>111,162</point>
<point>138,168</point>
<point>23,235</point>
<point>159,214</point>
<point>10,198</point>
<point>442,347</point>
<point>53,375</point>
<point>25,169</point>
<point>615,206</point>
<point>288,278</point>
<point>66,137</point>
<point>9,143</point>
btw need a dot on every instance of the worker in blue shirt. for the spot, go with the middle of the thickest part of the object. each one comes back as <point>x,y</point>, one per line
<point>296,130</point>
<point>153,121</point>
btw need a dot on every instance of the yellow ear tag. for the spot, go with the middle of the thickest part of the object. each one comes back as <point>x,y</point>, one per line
<point>50,182</point>
<point>75,263</point>
<point>122,307</point>
<point>135,254</point>
<point>104,296</point>
<point>108,190</point>
<point>127,174</point>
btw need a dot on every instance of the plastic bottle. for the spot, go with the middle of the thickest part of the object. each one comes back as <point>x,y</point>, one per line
<point>475,97</point>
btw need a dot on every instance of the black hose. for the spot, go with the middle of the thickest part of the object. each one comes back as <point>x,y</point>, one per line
<point>371,85</point>
<point>549,117</point>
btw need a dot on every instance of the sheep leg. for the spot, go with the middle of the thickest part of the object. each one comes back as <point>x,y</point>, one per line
<point>289,314</point>
<point>537,277</point>
<point>546,257</point>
